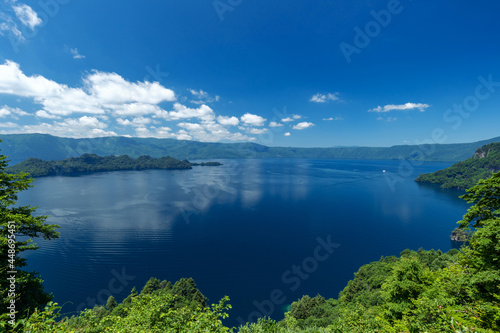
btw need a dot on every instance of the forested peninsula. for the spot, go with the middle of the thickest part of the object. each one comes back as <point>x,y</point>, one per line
<point>90,163</point>
<point>465,174</point>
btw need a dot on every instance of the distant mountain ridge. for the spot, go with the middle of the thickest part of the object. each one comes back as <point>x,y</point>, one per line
<point>465,174</point>
<point>19,147</point>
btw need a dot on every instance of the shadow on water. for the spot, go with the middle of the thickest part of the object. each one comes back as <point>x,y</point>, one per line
<point>457,245</point>
<point>452,194</point>
<point>437,189</point>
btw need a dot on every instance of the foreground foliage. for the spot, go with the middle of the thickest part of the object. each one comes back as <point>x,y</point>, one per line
<point>21,291</point>
<point>160,307</point>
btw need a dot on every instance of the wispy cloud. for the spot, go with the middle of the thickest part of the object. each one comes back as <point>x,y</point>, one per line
<point>45,114</point>
<point>275,124</point>
<point>256,130</point>
<point>388,119</point>
<point>76,54</point>
<point>324,98</point>
<point>12,112</point>
<point>303,125</point>
<point>16,18</point>
<point>333,118</point>
<point>287,134</point>
<point>9,124</point>
<point>202,97</point>
<point>198,94</point>
<point>9,27</point>
<point>400,107</point>
<point>27,16</point>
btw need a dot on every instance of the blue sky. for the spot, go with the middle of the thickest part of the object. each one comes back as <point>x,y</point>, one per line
<point>279,73</point>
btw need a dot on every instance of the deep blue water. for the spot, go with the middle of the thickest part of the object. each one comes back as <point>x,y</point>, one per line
<point>250,229</point>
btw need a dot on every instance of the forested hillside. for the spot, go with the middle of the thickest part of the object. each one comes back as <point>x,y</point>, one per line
<point>465,174</point>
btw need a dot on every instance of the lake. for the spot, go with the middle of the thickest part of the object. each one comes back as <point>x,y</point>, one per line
<point>263,232</point>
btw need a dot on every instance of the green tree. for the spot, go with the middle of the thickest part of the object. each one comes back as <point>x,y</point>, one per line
<point>155,313</point>
<point>405,284</point>
<point>152,285</point>
<point>483,254</point>
<point>306,306</point>
<point>486,199</point>
<point>18,227</point>
<point>186,288</point>
<point>133,293</point>
<point>111,303</point>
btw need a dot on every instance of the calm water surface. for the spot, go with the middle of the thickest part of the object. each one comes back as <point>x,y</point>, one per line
<point>247,229</point>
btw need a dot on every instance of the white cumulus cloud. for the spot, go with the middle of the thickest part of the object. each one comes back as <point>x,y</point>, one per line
<point>228,121</point>
<point>14,82</point>
<point>102,92</point>
<point>303,125</point>
<point>252,120</point>
<point>203,112</point>
<point>111,88</point>
<point>107,103</point>
<point>4,112</point>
